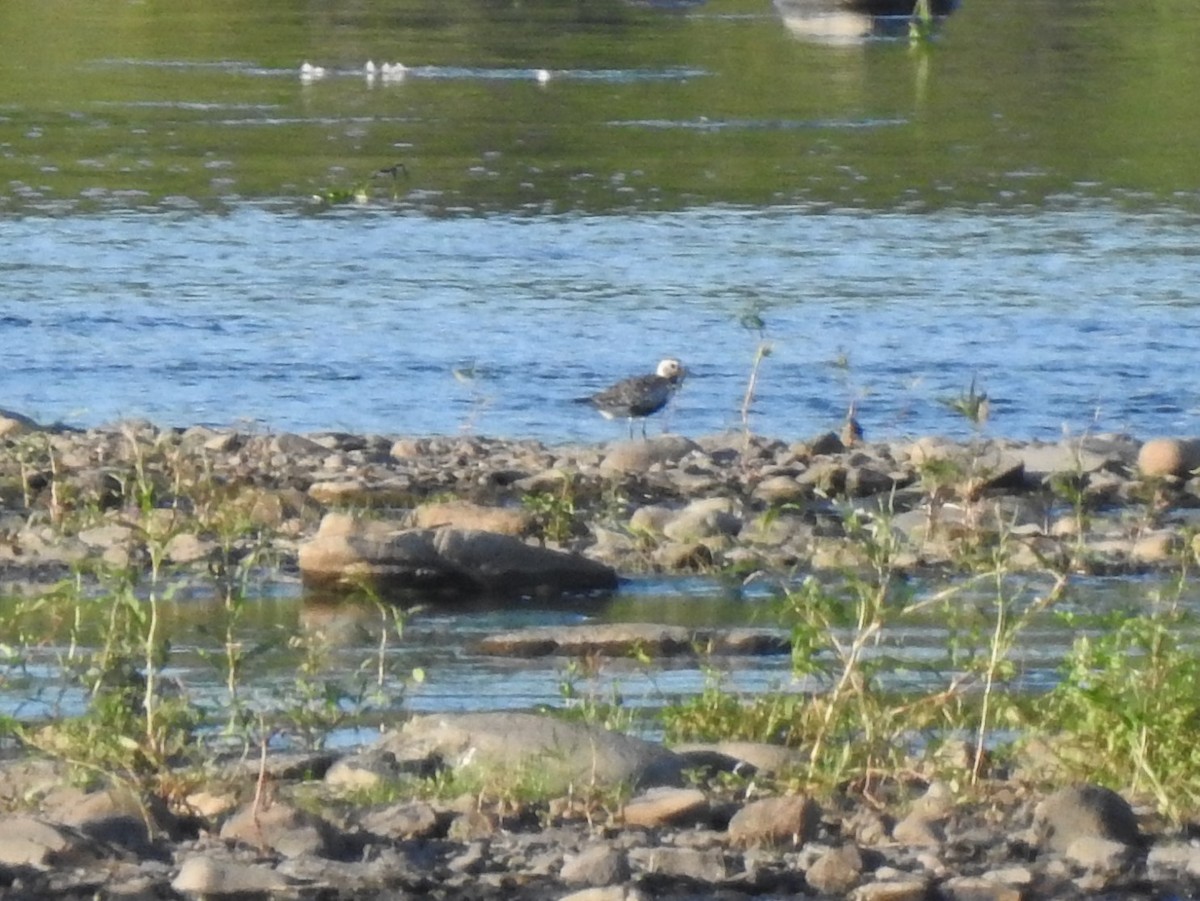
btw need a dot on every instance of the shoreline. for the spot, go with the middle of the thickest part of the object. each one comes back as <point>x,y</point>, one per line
<point>467,806</point>
<point>723,503</point>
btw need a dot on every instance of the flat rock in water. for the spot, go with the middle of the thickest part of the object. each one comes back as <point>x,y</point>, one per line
<point>555,753</point>
<point>625,639</point>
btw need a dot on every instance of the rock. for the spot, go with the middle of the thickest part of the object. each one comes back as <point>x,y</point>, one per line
<point>866,480</point>
<point>1167,859</point>
<point>918,830</point>
<point>779,490</point>
<point>887,890</point>
<point>414,819</point>
<point>788,820</point>
<point>665,807</point>
<point>641,456</point>
<point>358,493</point>
<point>14,424</point>
<point>771,760</point>
<point>1084,811</point>
<point>1169,457</point>
<point>1100,855</point>
<point>704,518</point>
<point>106,536</point>
<point>597,865</point>
<point>824,445</point>
<point>346,552</point>
<point>836,871</point>
<point>364,770</point>
<point>463,515</point>
<point>31,841</point>
<point>1067,457</point>
<point>624,639</point>
<point>473,826</point>
<point>704,866</point>
<point>1156,547</point>
<point>969,470</point>
<point>975,888</point>
<point>187,547</point>
<point>606,893</point>
<point>410,449</point>
<point>209,877</point>
<point>651,519</point>
<point>684,556</point>
<point>560,755</point>
<point>281,828</point>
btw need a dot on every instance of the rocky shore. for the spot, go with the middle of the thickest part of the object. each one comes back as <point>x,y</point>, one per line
<point>559,809</point>
<point>477,515</point>
<point>615,819</point>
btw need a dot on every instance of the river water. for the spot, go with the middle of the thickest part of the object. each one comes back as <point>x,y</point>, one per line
<point>192,232</point>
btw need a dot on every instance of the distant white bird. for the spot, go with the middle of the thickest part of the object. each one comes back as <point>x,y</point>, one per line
<point>542,76</point>
<point>309,72</point>
<point>640,396</point>
<point>394,71</point>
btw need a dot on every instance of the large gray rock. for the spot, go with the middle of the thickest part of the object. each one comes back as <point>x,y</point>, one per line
<point>32,841</point>
<point>282,828</point>
<point>211,877</point>
<point>786,820</point>
<point>640,456</point>
<point>346,553</point>
<point>554,753</point>
<point>1084,811</point>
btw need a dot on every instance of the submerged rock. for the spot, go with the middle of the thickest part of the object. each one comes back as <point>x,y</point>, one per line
<point>624,639</point>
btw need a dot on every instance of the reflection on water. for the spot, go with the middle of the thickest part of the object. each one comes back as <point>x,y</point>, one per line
<point>853,21</point>
<point>354,640</point>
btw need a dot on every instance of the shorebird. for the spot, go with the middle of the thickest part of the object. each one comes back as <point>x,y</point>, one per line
<point>852,432</point>
<point>640,396</point>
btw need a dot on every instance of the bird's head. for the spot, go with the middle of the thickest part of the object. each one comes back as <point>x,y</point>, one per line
<point>671,370</point>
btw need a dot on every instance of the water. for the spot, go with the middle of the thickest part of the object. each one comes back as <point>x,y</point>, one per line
<point>1016,204</point>
<point>901,220</point>
<point>357,320</point>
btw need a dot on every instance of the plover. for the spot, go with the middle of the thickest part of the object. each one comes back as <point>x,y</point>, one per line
<point>640,396</point>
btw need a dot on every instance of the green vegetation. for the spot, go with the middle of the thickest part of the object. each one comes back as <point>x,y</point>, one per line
<point>120,705</point>
<point>121,700</point>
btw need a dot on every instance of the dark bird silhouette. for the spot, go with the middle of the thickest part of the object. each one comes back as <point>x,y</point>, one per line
<point>640,396</point>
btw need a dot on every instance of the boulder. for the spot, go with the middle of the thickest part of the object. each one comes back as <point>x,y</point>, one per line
<point>32,841</point>
<point>557,754</point>
<point>13,424</point>
<point>465,515</point>
<point>347,553</point>
<point>212,877</point>
<point>665,806</point>
<point>601,864</point>
<point>1084,811</point>
<point>787,820</point>
<point>640,456</point>
<point>284,829</point>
